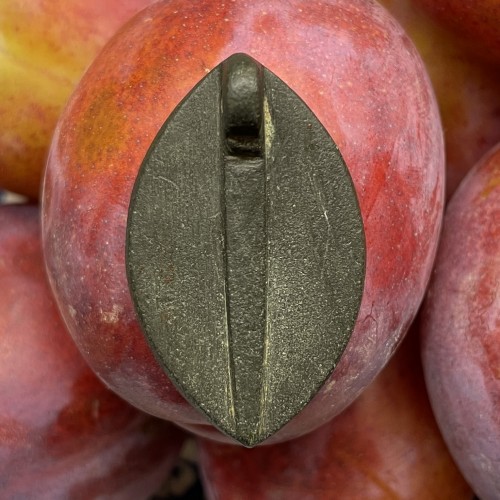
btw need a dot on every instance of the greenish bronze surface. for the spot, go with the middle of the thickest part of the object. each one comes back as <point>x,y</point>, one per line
<point>245,250</point>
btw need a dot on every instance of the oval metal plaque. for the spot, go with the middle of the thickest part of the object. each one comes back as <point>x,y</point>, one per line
<point>245,250</point>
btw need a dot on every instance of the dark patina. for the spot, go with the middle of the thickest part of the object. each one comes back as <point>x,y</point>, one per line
<point>245,250</point>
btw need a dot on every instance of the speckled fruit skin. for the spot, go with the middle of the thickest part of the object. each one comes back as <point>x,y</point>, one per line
<point>46,45</point>
<point>475,21</point>
<point>386,445</point>
<point>62,433</point>
<point>461,331</point>
<point>467,89</point>
<point>361,76</point>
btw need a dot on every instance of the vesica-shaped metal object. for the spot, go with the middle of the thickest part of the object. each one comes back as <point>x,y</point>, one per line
<point>245,250</point>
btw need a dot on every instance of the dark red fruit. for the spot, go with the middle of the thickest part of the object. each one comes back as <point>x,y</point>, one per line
<point>62,433</point>
<point>362,78</point>
<point>461,331</point>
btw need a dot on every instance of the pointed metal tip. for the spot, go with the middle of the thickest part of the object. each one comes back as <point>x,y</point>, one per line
<point>249,440</point>
<point>241,56</point>
<point>251,443</point>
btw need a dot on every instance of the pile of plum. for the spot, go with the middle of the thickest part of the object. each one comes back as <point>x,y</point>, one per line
<point>409,93</point>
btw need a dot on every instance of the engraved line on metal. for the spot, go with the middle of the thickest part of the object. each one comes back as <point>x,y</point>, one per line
<point>267,127</point>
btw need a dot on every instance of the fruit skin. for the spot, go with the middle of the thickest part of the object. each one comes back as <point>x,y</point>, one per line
<point>461,329</point>
<point>388,133</point>
<point>46,47</point>
<point>62,433</point>
<point>385,445</point>
<point>474,21</point>
<point>467,89</point>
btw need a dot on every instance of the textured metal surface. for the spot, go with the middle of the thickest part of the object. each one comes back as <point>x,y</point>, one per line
<point>245,250</point>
